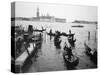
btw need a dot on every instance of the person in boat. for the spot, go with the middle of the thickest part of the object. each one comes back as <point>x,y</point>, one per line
<point>65,47</point>
<point>69,31</point>
<point>30,29</point>
<point>50,31</point>
<point>56,40</point>
<point>71,38</point>
<point>19,44</point>
<point>68,51</point>
<point>71,35</point>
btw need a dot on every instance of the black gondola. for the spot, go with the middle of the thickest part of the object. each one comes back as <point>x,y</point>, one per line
<point>88,49</point>
<point>57,41</point>
<point>71,62</point>
<point>37,30</point>
<point>57,44</point>
<point>66,35</point>
<point>51,34</point>
<point>78,26</point>
<point>92,54</point>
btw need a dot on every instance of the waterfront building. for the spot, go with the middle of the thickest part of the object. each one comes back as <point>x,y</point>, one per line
<point>47,18</point>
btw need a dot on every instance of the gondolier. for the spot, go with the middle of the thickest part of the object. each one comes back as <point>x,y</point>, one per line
<point>68,51</point>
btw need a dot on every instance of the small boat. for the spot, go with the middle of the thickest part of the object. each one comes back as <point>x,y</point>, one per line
<point>51,34</point>
<point>66,35</point>
<point>79,26</point>
<point>37,30</point>
<point>92,54</point>
<point>71,62</point>
<point>88,49</point>
<point>57,44</point>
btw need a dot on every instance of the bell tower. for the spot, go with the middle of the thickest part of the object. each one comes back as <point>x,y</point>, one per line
<point>37,12</point>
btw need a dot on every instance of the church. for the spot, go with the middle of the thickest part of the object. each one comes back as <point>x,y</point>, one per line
<point>47,18</point>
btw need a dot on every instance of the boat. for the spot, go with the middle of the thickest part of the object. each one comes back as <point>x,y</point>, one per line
<point>57,33</point>
<point>94,57</point>
<point>57,41</point>
<point>57,44</point>
<point>79,26</point>
<point>91,53</point>
<point>30,29</point>
<point>72,62</point>
<point>51,34</point>
<point>88,49</point>
<point>37,30</point>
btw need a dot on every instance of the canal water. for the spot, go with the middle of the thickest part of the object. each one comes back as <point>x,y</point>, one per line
<point>49,58</point>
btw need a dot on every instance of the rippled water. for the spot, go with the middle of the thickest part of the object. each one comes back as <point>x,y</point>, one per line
<point>49,58</point>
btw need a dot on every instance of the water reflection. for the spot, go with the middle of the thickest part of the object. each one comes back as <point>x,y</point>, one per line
<point>50,58</point>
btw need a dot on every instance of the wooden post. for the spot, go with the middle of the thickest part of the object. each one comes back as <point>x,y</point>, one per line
<point>88,35</point>
<point>95,36</point>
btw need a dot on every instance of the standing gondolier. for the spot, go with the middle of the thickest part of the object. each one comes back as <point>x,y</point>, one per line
<point>69,52</point>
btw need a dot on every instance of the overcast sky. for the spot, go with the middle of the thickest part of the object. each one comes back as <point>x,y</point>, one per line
<point>70,12</point>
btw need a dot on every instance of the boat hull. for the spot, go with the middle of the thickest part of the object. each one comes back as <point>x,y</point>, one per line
<point>57,43</point>
<point>71,64</point>
<point>51,34</point>
<point>91,54</point>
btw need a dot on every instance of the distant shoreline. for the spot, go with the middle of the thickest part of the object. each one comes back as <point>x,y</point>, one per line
<point>76,21</point>
<point>85,22</point>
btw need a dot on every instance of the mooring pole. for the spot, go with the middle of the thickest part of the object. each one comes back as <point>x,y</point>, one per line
<point>95,36</point>
<point>88,35</point>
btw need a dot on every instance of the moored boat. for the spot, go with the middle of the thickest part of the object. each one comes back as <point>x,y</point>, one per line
<point>88,49</point>
<point>57,44</point>
<point>91,53</point>
<point>71,61</point>
<point>51,34</point>
<point>79,26</point>
<point>57,41</point>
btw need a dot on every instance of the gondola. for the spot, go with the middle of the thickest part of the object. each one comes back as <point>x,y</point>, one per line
<point>57,44</point>
<point>78,26</point>
<point>92,54</point>
<point>51,34</point>
<point>72,62</point>
<point>57,41</point>
<point>88,50</point>
<point>37,30</point>
<point>66,35</point>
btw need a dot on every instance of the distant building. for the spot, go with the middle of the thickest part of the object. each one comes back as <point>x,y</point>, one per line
<point>41,18</point>
<point>47,18</point>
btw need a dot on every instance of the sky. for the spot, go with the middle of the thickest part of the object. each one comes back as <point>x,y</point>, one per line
<point>70,12</point>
